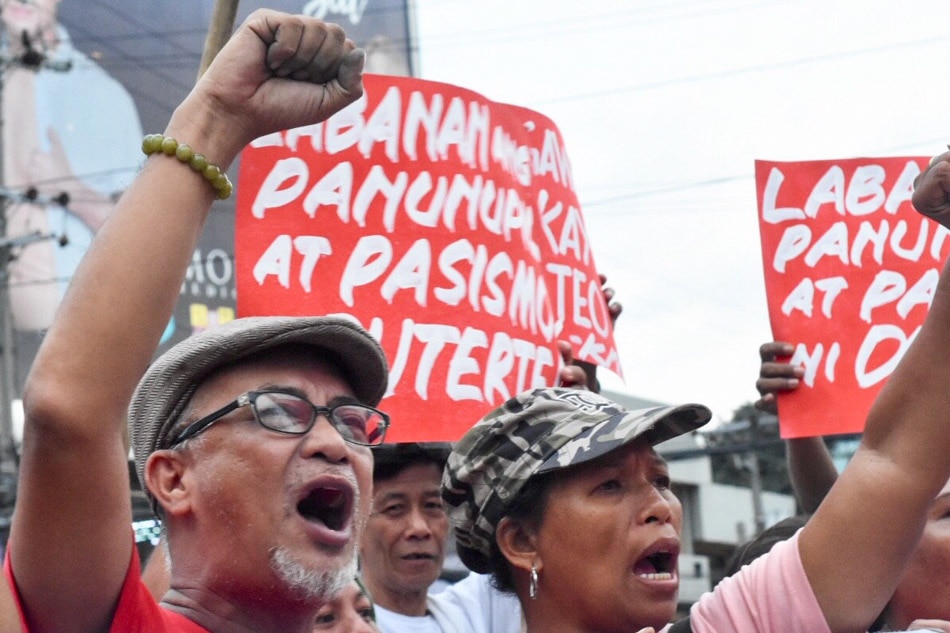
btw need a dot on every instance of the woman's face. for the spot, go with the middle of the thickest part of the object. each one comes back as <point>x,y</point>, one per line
<point>924,589</point>
<point>609,541</point>
<point>350,612</point>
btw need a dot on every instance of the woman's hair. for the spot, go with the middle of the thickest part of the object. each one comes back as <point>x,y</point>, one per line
<point>363,590</point>
<point>526,509</point>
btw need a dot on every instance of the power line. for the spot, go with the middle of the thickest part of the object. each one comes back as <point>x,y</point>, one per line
<point>757,68</point>
<point>540,29</point>
<point>87,176</point>
<point>678,187</point>
<point>145,33</point>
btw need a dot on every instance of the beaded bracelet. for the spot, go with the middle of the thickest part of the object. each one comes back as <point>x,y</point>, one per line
<point>154,143</point>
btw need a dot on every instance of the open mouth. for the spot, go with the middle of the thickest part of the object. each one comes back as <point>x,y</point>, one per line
<point>419,556</point>
<point>327,505</point>
<point>657,565</point>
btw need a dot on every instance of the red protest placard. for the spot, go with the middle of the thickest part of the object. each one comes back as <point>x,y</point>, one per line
<point>850,270</point>
<point>447,225</point>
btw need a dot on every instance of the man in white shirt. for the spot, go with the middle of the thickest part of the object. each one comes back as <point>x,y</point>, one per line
<point>403,551</point>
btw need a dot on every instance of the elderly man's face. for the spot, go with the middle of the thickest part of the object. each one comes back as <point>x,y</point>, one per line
<point>404,545</point>
<point>280,507</point>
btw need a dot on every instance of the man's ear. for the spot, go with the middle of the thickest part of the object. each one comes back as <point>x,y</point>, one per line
<point>165,472</point>
<point>518,544</point>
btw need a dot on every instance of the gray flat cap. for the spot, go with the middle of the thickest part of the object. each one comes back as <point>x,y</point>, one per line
<point>165,389</point>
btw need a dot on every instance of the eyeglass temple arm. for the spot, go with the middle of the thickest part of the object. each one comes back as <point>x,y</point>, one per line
<point>197,427</point>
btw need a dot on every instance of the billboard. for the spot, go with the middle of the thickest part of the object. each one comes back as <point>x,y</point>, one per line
<point>99,76</point>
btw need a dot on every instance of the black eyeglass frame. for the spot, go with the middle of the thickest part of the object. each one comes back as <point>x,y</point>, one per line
<point>249,398</point>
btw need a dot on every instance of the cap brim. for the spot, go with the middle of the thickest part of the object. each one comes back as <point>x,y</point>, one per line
<point>654,425</point>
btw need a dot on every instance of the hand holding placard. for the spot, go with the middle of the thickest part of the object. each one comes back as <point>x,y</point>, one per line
<point>850,270</point>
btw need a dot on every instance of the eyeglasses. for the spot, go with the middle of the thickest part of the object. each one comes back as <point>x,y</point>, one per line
<point>289,413</point>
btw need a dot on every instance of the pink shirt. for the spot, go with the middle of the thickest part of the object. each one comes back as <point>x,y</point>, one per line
<point>770,595</point>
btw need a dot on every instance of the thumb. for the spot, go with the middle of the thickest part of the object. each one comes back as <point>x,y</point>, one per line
<point>346,88</point>
<point>566,351</point>
<point>350,75</point>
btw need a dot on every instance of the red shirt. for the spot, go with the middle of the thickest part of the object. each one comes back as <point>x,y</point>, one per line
<point>136,611</point>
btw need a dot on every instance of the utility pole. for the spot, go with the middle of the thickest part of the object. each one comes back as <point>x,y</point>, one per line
<point>755,476</point>
<point>34,59</point>
<point>9,462</point>
<point>743,445</point>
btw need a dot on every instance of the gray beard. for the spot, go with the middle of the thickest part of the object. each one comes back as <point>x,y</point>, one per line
<point>311,584</point>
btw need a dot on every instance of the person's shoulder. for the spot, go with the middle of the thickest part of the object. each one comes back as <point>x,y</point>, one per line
<point>390,622</point>
<point>473,604</point>
<point>473,590</point>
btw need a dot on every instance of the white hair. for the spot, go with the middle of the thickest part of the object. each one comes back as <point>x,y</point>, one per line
<point>312,584</point>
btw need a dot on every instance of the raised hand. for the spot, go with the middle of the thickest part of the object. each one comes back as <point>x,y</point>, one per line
<point>580,374</point>
<point>932,189</point>
<point>775,375</point>
<point>573,373</point>
<point>280,71</point>
<point>614,307</point>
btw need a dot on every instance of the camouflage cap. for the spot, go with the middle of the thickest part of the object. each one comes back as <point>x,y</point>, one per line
<point>537,432</point>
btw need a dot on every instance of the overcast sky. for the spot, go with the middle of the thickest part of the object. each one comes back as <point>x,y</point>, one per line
<point>664,106</point>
